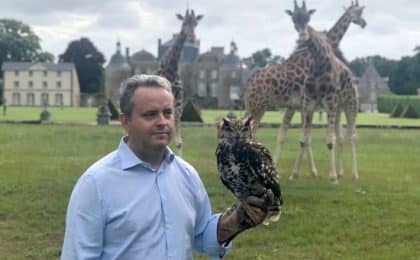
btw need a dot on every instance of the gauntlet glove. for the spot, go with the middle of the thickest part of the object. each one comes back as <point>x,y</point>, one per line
<point>244,215</point>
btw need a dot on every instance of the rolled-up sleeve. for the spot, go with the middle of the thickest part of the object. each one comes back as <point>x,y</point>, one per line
<point>83,237</point>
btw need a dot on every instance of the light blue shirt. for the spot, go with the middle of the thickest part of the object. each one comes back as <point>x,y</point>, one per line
<point>121,208</point>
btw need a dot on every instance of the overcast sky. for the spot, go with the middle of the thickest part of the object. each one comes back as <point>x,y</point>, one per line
<point>392,31</point>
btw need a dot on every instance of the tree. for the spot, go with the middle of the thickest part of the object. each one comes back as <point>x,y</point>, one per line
<point>384,66</point>
<point>263,58</point>
<point>89,64</point>
<point>19,43</point>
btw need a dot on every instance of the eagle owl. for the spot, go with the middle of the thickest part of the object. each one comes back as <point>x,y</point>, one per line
<point>245,166</point>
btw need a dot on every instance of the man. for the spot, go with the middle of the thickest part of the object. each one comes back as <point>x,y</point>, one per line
<point>143,202</point>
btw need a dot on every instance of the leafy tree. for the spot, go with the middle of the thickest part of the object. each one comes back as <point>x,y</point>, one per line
<point>19,43</point>
<point>89,64</point>
<point>384,66</point>
<point>263,58</point>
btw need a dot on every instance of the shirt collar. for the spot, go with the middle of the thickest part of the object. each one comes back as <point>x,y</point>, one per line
<point>129,159</point>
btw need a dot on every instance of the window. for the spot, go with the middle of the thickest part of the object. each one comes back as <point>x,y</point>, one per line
<point>58,84</point>
<point>214,74</point>
<point>16,99</point>
<point>16,84</point>
<point>44,99</point>
<point>233,75</point>
<point>202,74</point>
<point>202,89</point>
<point>30,84</point>
<point>31,73</point>
<point>213,89</point>
<point>235,93</point>
<point>58,99</point>
<point>45,73</point>
<point>30,99</point>
<point>45,84</point>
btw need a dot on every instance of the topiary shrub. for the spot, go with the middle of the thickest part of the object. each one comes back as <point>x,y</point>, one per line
<point>191,113</point>
<point>113,110</point>
<point>396,111</point>
<point>409,112</point>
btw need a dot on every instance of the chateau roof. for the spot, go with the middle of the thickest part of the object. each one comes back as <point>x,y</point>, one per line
<point>117,59</point>
<point>142,56</point>
<point>65,66</point>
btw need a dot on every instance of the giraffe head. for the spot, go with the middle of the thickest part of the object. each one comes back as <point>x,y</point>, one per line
<point>355,12</point>
<point>189,22</point>
<point>300,17</point>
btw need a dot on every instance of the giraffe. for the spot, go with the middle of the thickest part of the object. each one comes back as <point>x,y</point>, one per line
<point>330,85</point>
<point>276,78</point>
<point>168,68</point>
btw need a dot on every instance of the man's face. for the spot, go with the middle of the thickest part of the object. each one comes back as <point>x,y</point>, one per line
<point>152,120</point>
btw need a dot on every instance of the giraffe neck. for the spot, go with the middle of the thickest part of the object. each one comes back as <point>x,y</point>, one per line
<point>336,33</point>
<point>320,49</point>
<point>169,64</point>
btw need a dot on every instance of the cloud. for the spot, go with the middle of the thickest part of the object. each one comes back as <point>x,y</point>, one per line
<point>392,30</point>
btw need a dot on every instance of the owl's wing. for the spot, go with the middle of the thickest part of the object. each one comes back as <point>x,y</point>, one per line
<point>261,163</point>
<point>222,156</point>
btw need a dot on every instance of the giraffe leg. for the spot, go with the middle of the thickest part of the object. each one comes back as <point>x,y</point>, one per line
<point>178,137</point>
<point>339,137</point>
<point>312,167</point>
<point>330,145</point>
<point>178,93</point>
<point>351,131</point>
<point>307,124</point>
<point>287,118</point>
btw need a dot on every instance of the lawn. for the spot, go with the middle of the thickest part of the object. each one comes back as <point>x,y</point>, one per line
<point>373,218</point>
<point>88,115</point>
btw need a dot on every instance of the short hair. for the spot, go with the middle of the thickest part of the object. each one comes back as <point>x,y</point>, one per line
<point>129,85</point>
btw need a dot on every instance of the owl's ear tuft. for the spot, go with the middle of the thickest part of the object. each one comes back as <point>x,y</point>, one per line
<point>248,121</point>
<point>223,123</point>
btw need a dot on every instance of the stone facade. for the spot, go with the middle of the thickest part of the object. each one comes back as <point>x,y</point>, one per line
<point>212,79</point>
<point>39,84</point>
<point>370,86</point>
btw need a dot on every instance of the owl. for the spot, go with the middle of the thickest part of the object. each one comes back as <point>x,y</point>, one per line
<point>246,166</point>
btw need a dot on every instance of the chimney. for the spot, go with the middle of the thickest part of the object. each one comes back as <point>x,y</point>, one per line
<point>159,47</point>
<point>127,54</point>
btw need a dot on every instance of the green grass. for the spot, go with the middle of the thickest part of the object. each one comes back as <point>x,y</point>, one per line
<point>88,115</point>
<point>373,218</point>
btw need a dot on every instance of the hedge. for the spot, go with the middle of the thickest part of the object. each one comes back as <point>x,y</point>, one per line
<point>387,102</point>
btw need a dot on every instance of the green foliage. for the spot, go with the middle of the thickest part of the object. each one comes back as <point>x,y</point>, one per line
<point>113,110</point>
<point>406,78</point>
<point>384,66</point>
<point>409,112</point>
<point>191,113</point>
<point>319,220</point>
<point>263,58</point>
<point>404,74</point>
<point>387,102</point>
<point>396,111</point>
<point>19,43</point>
<point>88,61</point>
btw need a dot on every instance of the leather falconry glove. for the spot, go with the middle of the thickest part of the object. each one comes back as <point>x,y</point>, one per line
<point>242,216</point>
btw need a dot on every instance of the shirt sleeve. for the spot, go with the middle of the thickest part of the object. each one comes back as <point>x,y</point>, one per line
<point>206,227</point>
<point>83,237</point>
